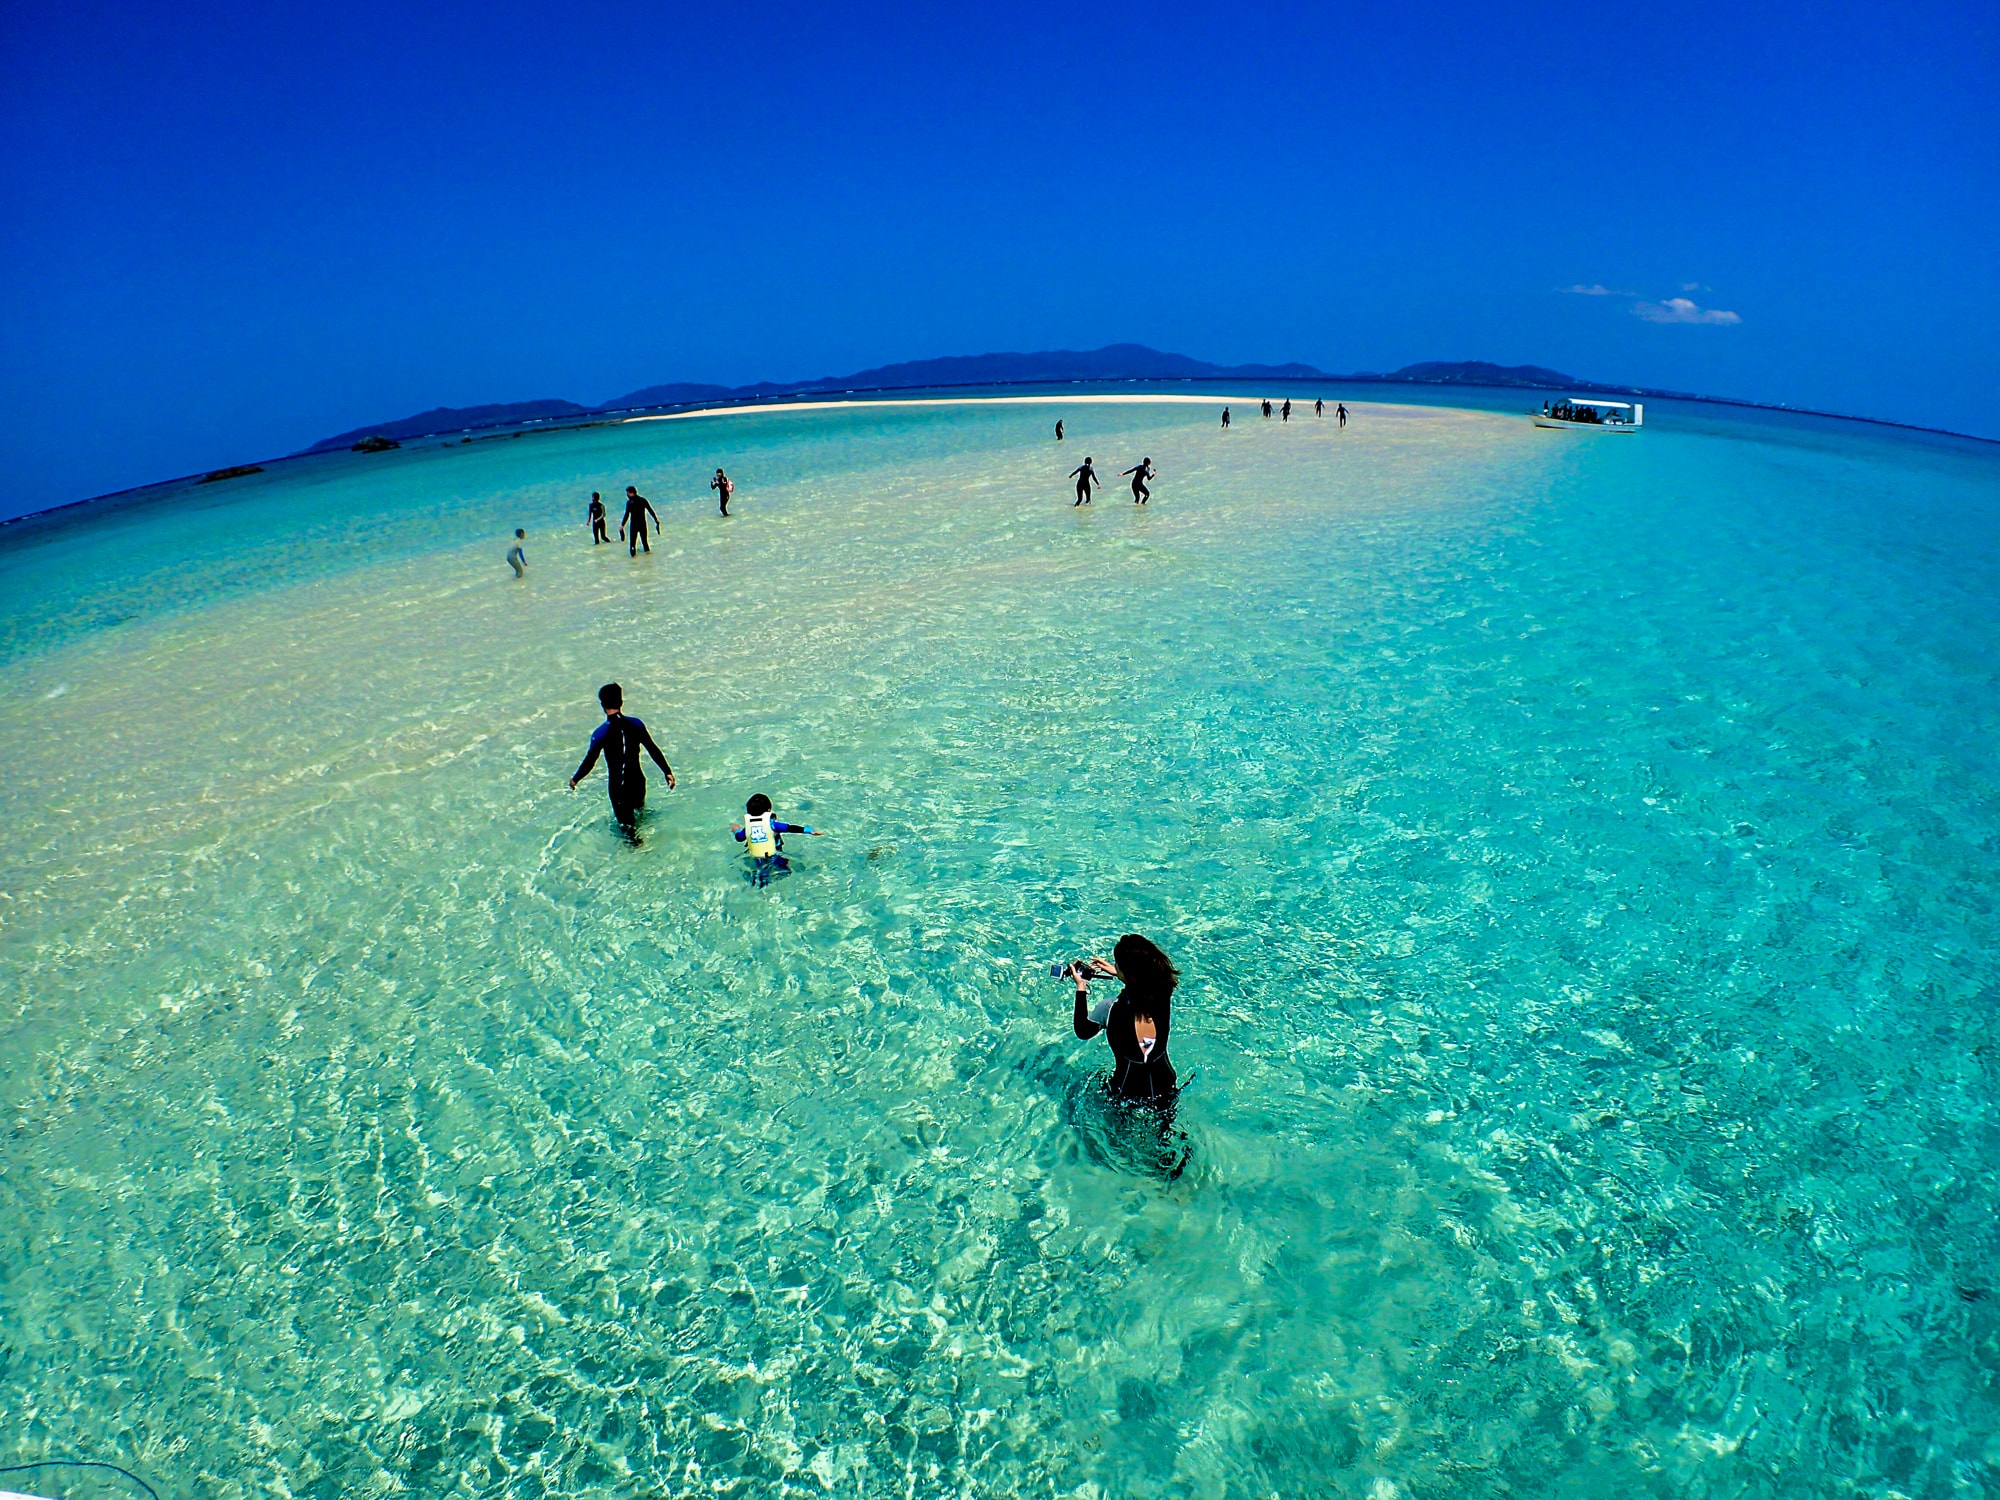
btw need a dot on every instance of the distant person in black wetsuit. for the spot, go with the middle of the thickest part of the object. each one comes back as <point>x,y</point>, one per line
<point>1319,407</point>
<point>1059,429</point>
<point>1136,1023</point>
<point>1225,419</point>
<point>619,740</point>
<point>637,508</point>
<point>517,559</point>
<point>597,519</point>
<point>1285,415</point>
<point>723,489</point>
<point>1085,476</point>
<point>1341,412</point>
<point>1141,472</point>
<point>1267,409</point>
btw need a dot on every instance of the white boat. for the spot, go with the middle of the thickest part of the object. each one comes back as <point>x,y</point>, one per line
<point>1591,414</point>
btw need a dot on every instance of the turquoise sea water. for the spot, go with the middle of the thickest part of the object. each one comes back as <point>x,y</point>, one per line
<point>1580,850</point>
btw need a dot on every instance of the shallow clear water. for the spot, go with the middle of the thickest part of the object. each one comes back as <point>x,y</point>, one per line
<point>1581,852</point>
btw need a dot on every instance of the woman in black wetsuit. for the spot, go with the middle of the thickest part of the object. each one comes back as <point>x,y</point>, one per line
<point>1138,1021</point>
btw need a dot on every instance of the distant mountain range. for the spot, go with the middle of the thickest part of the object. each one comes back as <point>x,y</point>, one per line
<point>1114,362</point>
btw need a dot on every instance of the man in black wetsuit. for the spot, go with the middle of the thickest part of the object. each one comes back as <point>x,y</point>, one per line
<point>637,508</point>
<point>597,519</point>
<point>619,740</point>
<point>1140,473</point>
<point>1085,475</point>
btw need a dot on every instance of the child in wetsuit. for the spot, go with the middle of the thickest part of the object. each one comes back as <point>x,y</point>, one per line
<point>761,834</point>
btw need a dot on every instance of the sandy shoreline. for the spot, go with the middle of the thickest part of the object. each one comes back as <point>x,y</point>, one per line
<point>1121,399</point>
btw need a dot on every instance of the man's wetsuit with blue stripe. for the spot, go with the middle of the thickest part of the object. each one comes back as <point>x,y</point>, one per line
<point>619,739</point>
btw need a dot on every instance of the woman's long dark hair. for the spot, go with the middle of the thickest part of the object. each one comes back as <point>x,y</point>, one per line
<point>1150,976</point>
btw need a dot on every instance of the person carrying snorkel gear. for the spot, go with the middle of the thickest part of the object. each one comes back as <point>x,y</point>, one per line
<point>763,836</point>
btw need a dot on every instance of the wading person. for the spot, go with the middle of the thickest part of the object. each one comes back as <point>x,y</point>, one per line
<point>1085,475</point>
<point>637,508</point>
<point>619,739</point>
<point>597,519</point>
<point>723,489</point>
<point>1141,472</point>
<point>1137,1023</point>
<point>517,556</point>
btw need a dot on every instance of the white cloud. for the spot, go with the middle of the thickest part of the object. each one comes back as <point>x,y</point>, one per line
<point>1595,290</point>
<point>1693,286</point>
<point>1681,310</point>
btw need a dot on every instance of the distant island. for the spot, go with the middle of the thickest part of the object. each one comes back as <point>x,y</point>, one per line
<point>1113,362</point>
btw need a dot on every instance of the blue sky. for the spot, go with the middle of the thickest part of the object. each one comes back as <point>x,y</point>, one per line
<point>231,230</point>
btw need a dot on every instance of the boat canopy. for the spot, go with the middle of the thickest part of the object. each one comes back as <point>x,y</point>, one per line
<point>1591,401</point>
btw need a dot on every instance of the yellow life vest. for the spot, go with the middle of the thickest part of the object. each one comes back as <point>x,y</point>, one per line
<point>759,837</point>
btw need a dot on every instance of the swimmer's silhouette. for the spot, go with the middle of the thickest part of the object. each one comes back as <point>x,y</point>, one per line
<point>1141,472</point>
<point>1085,475</point>
<point>637,508</point>
<point>620,739</point>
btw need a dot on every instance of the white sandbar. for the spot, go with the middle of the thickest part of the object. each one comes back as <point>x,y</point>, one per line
<point>1133,399</point>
